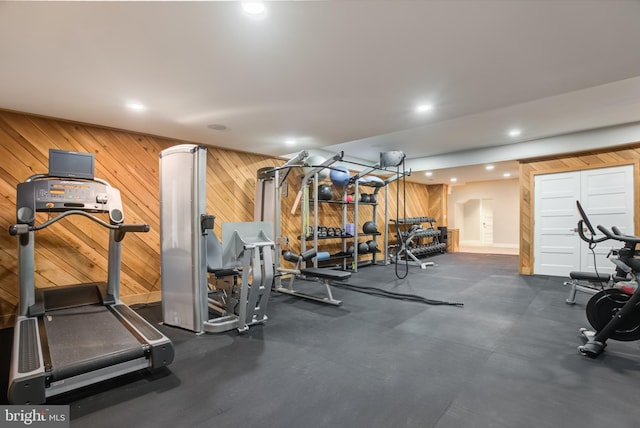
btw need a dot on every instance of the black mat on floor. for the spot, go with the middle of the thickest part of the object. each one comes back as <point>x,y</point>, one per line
<point>508,358</point>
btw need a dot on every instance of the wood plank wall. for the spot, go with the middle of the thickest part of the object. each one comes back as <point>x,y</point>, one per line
<point>75,250</point>
<point>626,155</point>
<point>438,202</point>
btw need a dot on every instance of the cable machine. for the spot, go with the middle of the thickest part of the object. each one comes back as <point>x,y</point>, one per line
<point>190,251</point>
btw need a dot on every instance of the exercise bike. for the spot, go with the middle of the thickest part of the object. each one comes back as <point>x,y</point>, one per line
<point>614,313</point>
<point>593,282</point>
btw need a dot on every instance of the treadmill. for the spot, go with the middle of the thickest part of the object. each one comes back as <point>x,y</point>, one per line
<point>68,337</point>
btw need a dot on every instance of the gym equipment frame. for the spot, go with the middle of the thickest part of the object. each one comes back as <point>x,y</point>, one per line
<point>325,275</point>
<point>269,186</point>
<point>68,337</point>
<point>409,249</point>
<point>190,251</point>
<point>614,312</point>
<point>592,282</point>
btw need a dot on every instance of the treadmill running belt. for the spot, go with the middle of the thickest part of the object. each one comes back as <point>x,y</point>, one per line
<point>87,338</point>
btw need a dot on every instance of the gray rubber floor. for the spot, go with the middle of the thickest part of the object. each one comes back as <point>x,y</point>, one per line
<point>506,359</point>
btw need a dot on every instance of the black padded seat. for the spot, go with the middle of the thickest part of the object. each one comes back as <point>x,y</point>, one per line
<point>221,273</point>
<point>330,274</point>
<point>589,276</point>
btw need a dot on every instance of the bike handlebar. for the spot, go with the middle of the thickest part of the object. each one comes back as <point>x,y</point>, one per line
<point>586,239</point>
<point>617,235</point>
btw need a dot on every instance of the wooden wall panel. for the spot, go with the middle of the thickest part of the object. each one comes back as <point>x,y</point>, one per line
<point>594,159</point>
<point>438,202</point>
<point>75,250</point>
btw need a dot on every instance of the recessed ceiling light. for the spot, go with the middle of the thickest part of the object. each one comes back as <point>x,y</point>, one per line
<point>453,179</point>
<point>135,106</point>
<point>254,8</point>
<point>515,132</point>
<point>290,142</point>
<point>489,167</point>
<point>506,174</point>
<point>428,173</point>
<point>424,108</point>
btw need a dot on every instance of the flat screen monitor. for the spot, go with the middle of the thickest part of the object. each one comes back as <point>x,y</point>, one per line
<point>65,164</point>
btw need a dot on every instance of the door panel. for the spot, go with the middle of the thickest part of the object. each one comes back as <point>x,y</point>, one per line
<point>486,213</point>
<point>607,197</point>
<point>556,250</point>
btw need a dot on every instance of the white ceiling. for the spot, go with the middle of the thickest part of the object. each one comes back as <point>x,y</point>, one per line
<point>334,75</point>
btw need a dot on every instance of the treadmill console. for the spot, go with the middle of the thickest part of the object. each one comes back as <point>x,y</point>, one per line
<point>56,195</point>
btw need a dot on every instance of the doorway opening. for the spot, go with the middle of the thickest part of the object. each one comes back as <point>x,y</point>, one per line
<point>476,227</point>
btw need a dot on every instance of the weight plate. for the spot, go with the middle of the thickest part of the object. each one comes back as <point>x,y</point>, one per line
<point>604,305</point>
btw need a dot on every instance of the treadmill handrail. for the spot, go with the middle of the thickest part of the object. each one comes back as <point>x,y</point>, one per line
<point>20,229</point>
<point>39,176</point>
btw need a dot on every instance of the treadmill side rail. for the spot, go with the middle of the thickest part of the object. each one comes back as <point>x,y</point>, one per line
<point>161,348</point>
<point>27,377</point>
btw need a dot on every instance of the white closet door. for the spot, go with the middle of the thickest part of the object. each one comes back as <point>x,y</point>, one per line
<point>556,249</point>
<point>607,198</point>
<point>606,194</point>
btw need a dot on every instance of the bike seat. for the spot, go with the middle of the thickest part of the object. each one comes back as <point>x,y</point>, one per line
<point>589,276</point>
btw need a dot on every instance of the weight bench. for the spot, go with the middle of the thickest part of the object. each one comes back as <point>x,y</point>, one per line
<point>325,275</point>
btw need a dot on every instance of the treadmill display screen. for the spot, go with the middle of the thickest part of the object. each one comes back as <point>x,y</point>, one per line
<point>65,164</point>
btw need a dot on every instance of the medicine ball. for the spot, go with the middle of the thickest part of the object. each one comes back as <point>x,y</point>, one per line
<point>325,192</point>
<point>313,161</point>
<point>350,250</point>
<point>340,176</point>
<point>363,248</point>
<point>373,198</point>
<point>364,198</point>
<point>372,244</point>
<point>369,227</point>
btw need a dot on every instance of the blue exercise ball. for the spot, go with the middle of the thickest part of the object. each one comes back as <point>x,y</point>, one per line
<point>340,176</point>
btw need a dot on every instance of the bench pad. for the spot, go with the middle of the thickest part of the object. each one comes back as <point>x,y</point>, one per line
<point>333,275</point>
